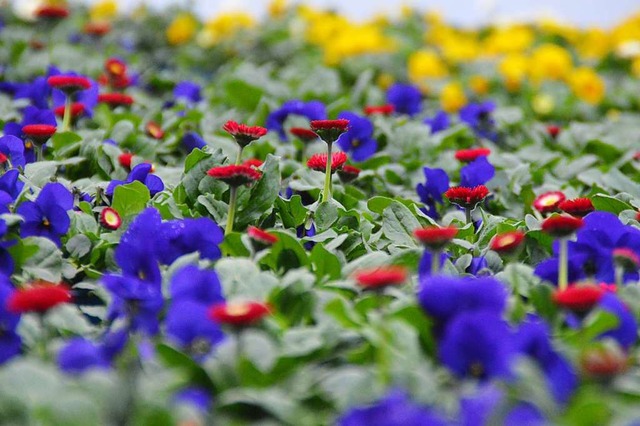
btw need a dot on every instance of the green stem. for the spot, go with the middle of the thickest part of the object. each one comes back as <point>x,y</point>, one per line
<point>563,267</point>
<point>39,153</point>
<point>233,195</point>
<point>239,157</point>
<point>383,352</point>
<point>66,120</point>
<point>467,213</point>
<point>43,338</point>
<point>619,276</point>
<point>435,262</point>
<point>326,194</point>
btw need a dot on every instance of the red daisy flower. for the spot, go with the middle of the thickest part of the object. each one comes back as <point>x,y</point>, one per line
<point>553,131</point>
<point>115,99</point>
<point>611,288</point>
<point>77,110</point>
<point>578,298</point>
<point>242,133</point>
<point>319,161</point>
<point>466,197</point>
<point>97,29</point>
<point>577,207</point>
<point>115,67</point>
<point>435,237</point>
<point>562,226</point>
<point>548,202</point>
<point>154,130</point>
<point>110,219</point>
<point>125,159</point>
<point>52,12</point>
<point>348,173</point>
<point>38,297</point>
<point>3,158</point>
<point>387,109</point>
<point>626,258</point>
<point>329,130</point>
<point>40,132</point>
<point>253,162</point>
<point>305,135</point>
<point>603,361</point>
<point>69,83</point>
<point>507,242</point>
<point>262,236</point>
<point>377,278</point>
<point>239,314</point>
<point>235,175</point>
<point>468,155</point>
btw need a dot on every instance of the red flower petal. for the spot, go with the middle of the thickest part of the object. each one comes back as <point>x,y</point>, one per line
<point>38,130</point>
<point>236,314</point>
<point>305,135</point>
<point>549,201</point>
<point>77,110</point>
<point>235,175</point>
<point>468,155</point>
<point>262,236</point>
<point>507,242</point>
<point>381,277</point>
<point>69,82</point>
<point>578,298</point>
<point>154,130</point>
<point>436,237</point>
<point>562,226</point>
<point>577,207</point>
<point>466,197</point>
<point>387,109</point>
<point>38,297</point>
<point>115,99</point>
<point>340,124</point>
<point>52,12</point>
<point>319,161</point>
<point>110,219</point>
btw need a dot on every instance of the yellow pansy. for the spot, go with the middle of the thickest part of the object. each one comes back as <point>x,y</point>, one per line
<point>550,62</point>
<point>425,64</point>
<point>104,10</point>
<point>452,97</point>
<point>513,69</point>
<point>182,29</point>
<point>508,40</point>
<point>277,7</point>
<point>594,44</point>
<point>587,85</point>
<point>224,26</point>
<point>628,31</point>
<point>479,85</point>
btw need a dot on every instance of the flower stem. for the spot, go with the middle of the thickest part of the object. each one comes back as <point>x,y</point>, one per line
<point>326,194</point>
<point>435,262</point>
<point>563,267</point>
<point>39,153</point>
<point>239,157</point>
<point>66,120</point>
<point>467,213</point>
<point>43,338</point>
<point>619,276</point>
<point>233,195</point>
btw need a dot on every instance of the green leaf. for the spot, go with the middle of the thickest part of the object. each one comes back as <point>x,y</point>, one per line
<point>326,215</point>
<point>78,246</point>
<point>288,253</point>
<point>325,263</point>
<point>398,224</point>
<point>611,204</point>
<point>46,264</point>
<point>130,199</point>
<point>194,158</point>
<point>178,360</point>
<point>292,212</point>
<point>263,195</point>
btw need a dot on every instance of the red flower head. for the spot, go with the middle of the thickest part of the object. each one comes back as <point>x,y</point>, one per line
<point>329,130</point>
<point>38,133</point>
<point>238,314</point>
<point>466,197</point>
<point>305,135</point>
<point>110,219</point>
<point>154,130</point>
<point>77,110</point>
<point>387,109</point>
<point>468,155</point>
<point>603,361</point>
<point>115,99</point>
<point>319,161</point>
<point>253,162</point>
<point>577,207</point>
<point>115,68</point>
<point>235,175</point>
<point>373,279</point>
<point>348,173</point>
<point>261,236</point>
<point>507,242</point>
<point>548,202</point>
<point>3,158</point>
<point>97,29</point>
<point>578,298</point>
<point>52,12</point>
<point>125,159</point>
<point>562,226</point>
<point>38,297</point>
<point>553,131</point>
<point>626,258</point>
<point>69,83</point>
<point>242,133</point>
<point>435,237</point>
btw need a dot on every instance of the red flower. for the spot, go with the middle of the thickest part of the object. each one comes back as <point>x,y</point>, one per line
<point>238,314</point>
<point>577,207</point>
<point>329,130</point>
<point>305,135</point>
<point>242,133</point>
<point>115,67</point>
<point>235,175</point>
<point>466,197</point>
<point>38,131</point>
<point>578,298</point>
<point>468,155</point>
<point>125,159</point>
<point>553,131</point>
<point>253,162</point>
<point>548,202</point>
<point>381,277</point>
<point>77,110</point>
<point>69,83</point>
<point>387,109</point>
<point>348,173</point>
<point>561,226</point>
<point>38,297</point>
<point>603,361</point>
<point>319,161</point>
<point>52,12</point>
<point>154,130</point>
<point>97,29</point>
<point>507,242</point>
<point>115,99</point>
<point>435,237</point>
<point>110,219</point>
<point>3,158</point>
<point>626,258</point>
<point>262,236</point>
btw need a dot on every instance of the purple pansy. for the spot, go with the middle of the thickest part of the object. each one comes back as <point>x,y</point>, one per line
<point>47,216</point>
<point>358,140</point>
<point>405,98</point>
<point>141,173</point>
<point>313,110</point>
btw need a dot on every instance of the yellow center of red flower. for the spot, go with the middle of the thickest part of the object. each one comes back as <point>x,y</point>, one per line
<point>550,200</point>
<point>237,309</point>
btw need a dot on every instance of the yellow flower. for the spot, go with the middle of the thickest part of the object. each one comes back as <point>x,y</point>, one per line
<point>384,81</point>
<point>479,85</point>
<point>508,40</point>
<point>104,10</point>
<point>182,29</point>
<point>452,97</point>
<point>277,7</point>
<point>550,61</point>
<point>513,70</point>
<point>587,85</point>
<point>425,64</point>
<point>543,104</point>
<point>635,67</point>
<point>628,31</point>
<point>594,44</point>
<point>224,26</point>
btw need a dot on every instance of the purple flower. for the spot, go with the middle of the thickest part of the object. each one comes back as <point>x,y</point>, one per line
<point>10,341</point>
<point>13,148</point>
<point>358,139</point>
<point>192,284</point>
<point>38,91</point>
<point>626,331</point>
<point>478,117</point>
<point>189,326</point>
<point>395,409</point>
<point>80,355</point>
<point>199,398</point>
<point>47,216</point>
<point>405,98</point>
<point>438,122</point>
<point>138,301</point>
<point>190,235</point>
<point>88,97</point>
<point>313,110</point>
<point>424,268</point>
<point>430,192</point>
<point>477,172</point>
<point>141,173</point>
<point>489,406</point>
<point>187,91</point>
<point>192,140</point>
<point>11,184</point>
